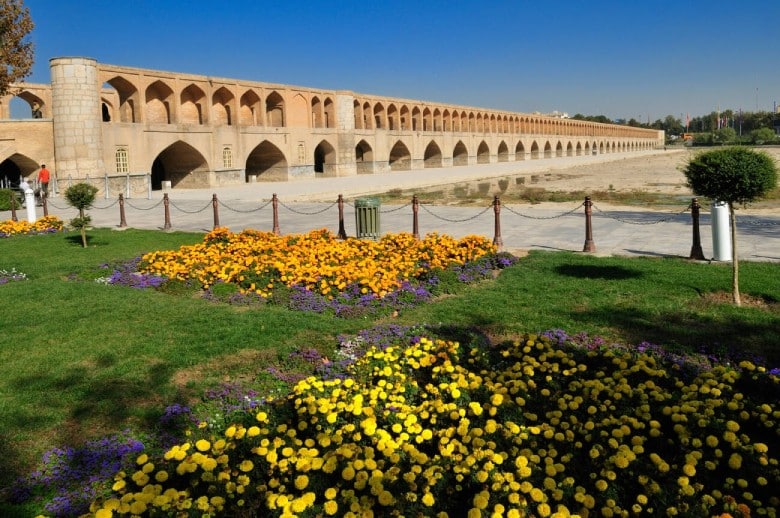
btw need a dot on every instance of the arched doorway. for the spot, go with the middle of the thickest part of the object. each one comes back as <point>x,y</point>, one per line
<point>400,158</point>
<point>266,162</point>
<point>180,164</point>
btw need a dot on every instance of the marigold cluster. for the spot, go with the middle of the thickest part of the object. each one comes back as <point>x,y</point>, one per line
<point>45,224</point>
<point>523,428</point>
<point>259,261</point>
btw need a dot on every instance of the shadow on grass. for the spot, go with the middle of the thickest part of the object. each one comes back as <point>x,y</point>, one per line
<point>597,271</point>
<point>727,335</point>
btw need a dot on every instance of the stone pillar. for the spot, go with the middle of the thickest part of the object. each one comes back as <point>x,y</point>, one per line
<point>78,137</point>
<point>345,123</point>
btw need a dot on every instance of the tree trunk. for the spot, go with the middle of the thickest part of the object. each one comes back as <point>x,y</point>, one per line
<point>83,229</point>
<point>734,258</point>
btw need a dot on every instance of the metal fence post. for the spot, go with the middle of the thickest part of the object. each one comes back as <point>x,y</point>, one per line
<point>215,206</point>
<point>45,204</point>
<point>696,251</point>
<point>122,221</point>
<point>13,206</point>
<point>415,210</point>
<point>590,246</point>
<point>342,232</point>
<point>275,205</point>
<point>497,234</point>
<point>166,204</point>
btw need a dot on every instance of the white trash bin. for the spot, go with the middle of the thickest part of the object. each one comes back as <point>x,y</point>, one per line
<point>721,231</point>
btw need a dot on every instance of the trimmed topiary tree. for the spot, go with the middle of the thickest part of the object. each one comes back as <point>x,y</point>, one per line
<point>734,175</point>
<point>81,196</point>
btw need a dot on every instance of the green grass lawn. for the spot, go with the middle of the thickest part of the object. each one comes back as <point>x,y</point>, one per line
<point>81,359</point>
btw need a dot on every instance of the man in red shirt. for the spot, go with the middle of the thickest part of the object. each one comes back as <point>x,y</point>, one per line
<point>43,180</point>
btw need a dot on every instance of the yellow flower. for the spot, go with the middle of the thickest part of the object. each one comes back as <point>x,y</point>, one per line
<point>301,481</point>
<point>202,445</point>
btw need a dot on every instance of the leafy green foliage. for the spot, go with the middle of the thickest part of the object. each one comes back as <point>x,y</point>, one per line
<point>763,136</point>
<point>81,196</point>
<point>733,175</point>
<point>6,195</point>
<point>16,50</point>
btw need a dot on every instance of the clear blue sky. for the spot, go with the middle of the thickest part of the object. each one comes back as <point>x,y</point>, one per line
<point>619,58</point>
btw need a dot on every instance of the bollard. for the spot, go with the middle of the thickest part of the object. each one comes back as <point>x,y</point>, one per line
<point>166,203</point>
<point>497,234</point>
<point>342,232</point>
<point>415,210</point>
<point>215,206</point>
<point>29,200</point>
<point>13,206</point>
<point>45,204</point>
<point>275,205</point>
<point>590,246</point>
<point>122,221</point>
<point>696,251</point>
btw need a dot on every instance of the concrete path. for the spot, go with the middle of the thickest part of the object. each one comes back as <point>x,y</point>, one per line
<point>310,204</point>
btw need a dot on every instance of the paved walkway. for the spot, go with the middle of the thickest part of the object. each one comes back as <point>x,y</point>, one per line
<point>310,204</point>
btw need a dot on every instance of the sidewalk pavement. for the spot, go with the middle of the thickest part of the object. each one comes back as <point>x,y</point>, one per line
<point>305,205</point>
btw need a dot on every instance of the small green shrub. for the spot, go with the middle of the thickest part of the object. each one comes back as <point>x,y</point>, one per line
<point>5,199</point>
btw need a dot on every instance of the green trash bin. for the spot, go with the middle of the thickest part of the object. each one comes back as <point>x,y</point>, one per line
<point>367,218</point>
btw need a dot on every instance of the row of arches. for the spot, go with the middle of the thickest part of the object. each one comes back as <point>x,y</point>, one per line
<point>380,115</point>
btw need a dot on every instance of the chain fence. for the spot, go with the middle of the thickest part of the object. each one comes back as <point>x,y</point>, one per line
<point>434,211</point>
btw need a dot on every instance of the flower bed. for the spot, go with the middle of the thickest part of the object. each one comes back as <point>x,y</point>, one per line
<point>44,225</point>
<point>537,426</point>
<point>258,262</point>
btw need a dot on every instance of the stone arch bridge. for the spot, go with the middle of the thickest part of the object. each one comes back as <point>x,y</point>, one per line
<point>191,131</point>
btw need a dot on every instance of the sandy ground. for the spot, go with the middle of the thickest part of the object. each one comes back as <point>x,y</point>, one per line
<point>658,173</point>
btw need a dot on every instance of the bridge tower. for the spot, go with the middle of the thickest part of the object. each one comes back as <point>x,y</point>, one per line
<point>78,137</point>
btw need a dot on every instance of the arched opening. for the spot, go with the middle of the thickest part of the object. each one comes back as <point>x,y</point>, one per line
<point>519,151</point>
<point>432,156</point>
<point>503,152</point>
<point>548,152</point>
<point>364,157</point>
<point>192,106</point>
<point>274,110</point>
<point>460,155</point>
<point>220,107</point>
<point>14,167</point>
<point>379,116</point>
<point>324,158</point>
<point>266,162</point>
<point>128,99</point>
<point>393,122</point>
<point>329,114</point>
<point>483,153</point>
<point>579,149</point>
<point>534,150</point>
<point>249,109</point>
<point>159,99</point>
<point>400,158</point>
<point>177,164</point>
<point>316,114</point>
<point>559,149</point>
<point>358,110</point>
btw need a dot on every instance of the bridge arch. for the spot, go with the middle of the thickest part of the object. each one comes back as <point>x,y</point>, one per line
<point>159,103</point>
<point>266,162</point>
<point>364,157</point>
<point>400,158</point>
<point>432,156</point>
<point>176,163</point>
<point>483,153</point>
<point>520,151</point>
<point>534,150</point>
<point>275,110</point>
<point>503,152</point>
<point>15,166</point>
<point>548,151</point>
<point>249,110</point>
<point>324,158</point>
<point>460,155</point>
<point>222,107</point>
<point>193,106</point>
